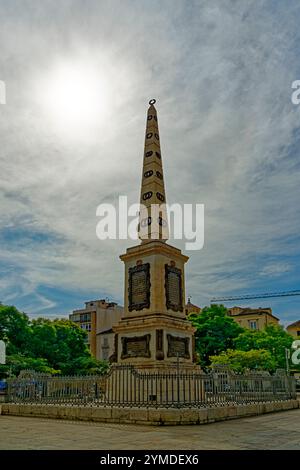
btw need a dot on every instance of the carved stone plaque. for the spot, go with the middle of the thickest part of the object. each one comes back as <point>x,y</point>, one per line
<point>139,287</point>
<point>178,346</point>
<point>173,287</point>
<point>136,346</point>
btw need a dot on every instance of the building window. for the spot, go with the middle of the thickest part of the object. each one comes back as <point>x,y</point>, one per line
<point>148,154</point>
<point>75,317</point>
<point>105,355</point>
<point>298,333</point>
<point>149,135</point>
<point>105,349</point>
<point>158,154</point>
<point>85,317</point>
<point>253,324</point>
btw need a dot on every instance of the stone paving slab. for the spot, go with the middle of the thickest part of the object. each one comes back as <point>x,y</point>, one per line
<point>272,431</point>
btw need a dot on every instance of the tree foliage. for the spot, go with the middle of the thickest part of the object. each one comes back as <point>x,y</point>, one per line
<point>272,339</point>
<point>17,362</point>
<point>220,339</point>
<point>52,346</point>
<point>14,329</point>
<point>239,361</point>
<point>60,342</point>
<point>215,332</point>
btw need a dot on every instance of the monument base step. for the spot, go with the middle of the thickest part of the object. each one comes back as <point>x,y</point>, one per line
<point>146,416</point>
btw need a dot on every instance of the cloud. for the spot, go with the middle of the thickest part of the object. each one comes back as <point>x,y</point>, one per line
<point>221,73</point>
<point>275,269</point>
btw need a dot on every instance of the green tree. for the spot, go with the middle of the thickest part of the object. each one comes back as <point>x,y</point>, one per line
<point>53,346</point>
<point>272,339</point>
<point>83,365</point>
<point>18,362</point>
<point>14,329</point>
<point>215,331</point>
<point>239,361</point>
<point>61,342</point>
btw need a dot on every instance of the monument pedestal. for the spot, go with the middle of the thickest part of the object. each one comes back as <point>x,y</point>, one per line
<point>154,332</point>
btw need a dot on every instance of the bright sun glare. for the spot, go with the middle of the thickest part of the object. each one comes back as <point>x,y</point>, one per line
<point>75,97</point>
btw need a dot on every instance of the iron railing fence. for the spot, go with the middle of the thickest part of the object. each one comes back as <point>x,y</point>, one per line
<point>124,386</point>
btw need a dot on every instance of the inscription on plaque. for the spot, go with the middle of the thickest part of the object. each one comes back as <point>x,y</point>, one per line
<point>139,287</point>
<point>173,287</point>
<point>137,346</point>
<point>178,347</point>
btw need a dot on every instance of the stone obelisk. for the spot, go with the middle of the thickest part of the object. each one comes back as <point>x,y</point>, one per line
<point>154,332</point>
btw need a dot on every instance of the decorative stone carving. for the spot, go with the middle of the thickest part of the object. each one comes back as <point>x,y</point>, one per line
<point>136,346</point>
<point>160,345</point>
<point>139,287</point>
<point>194,349</point>
<point>178,346</point>
<point>114,356</point>
<point>173,288</point>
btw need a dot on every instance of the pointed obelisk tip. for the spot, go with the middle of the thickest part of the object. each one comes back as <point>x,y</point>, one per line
<point>152,102</point>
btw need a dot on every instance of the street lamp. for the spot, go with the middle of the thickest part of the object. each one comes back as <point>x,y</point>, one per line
<point>287,357</point>
<point>2,352</point>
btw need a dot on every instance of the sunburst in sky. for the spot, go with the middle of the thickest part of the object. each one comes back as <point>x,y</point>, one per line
<point>75,96</point>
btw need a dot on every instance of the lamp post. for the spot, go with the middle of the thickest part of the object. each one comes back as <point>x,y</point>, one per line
<point>2,352</point>
<point>287,357</point>
<point>178,381</point>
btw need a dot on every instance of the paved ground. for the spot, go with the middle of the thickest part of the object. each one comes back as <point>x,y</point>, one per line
<point>270,431</point>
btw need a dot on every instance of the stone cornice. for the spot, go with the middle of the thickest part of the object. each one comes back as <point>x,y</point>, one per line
<point>152,248</point>
<point>153,321</point>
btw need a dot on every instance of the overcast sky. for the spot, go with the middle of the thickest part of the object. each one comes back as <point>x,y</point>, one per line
<point>221,72</point>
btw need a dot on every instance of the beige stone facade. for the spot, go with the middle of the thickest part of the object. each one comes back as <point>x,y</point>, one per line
<point>97,318</point>
<point>253,318</point>
<point>294,329</point>
<point>149,416</point>
<point>158,322</point>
